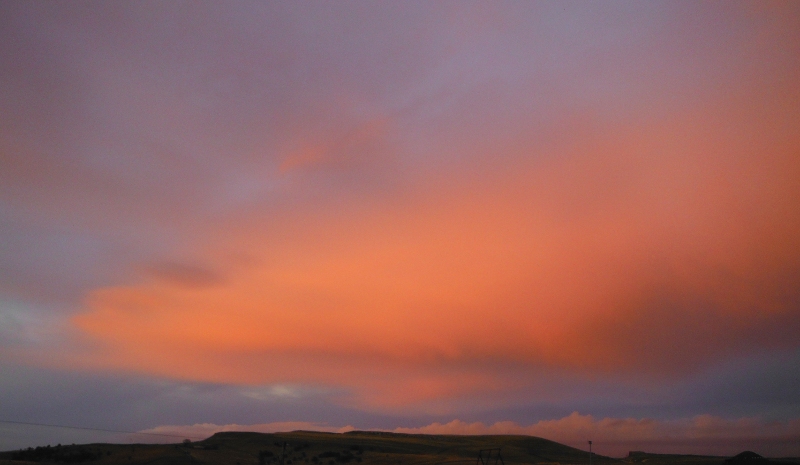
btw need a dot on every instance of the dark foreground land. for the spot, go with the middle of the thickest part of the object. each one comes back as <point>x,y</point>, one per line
<point>354,448</point>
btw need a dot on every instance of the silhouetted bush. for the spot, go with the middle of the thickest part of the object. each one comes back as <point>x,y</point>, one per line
<point>64,454</point>
<point>341,457</point>
<point>264,457</point>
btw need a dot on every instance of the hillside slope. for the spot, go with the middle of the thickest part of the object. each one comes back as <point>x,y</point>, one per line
<point>314,448</point>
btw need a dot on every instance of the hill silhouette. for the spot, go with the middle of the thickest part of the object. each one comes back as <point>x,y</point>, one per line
<point>315,448</point>
<point>353,448</point>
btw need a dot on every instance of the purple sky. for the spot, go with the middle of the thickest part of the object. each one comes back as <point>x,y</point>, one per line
<point>573,220</point>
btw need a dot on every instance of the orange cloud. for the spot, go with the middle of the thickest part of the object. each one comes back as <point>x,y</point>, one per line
<point>355,144</point>
<point>481,252</point>
<point>652,249</point>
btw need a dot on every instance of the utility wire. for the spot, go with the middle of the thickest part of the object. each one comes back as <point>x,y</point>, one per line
<point>96,429</point>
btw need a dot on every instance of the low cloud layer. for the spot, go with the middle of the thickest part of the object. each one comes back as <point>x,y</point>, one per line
<point>204,430</point>
<point>702,434</point>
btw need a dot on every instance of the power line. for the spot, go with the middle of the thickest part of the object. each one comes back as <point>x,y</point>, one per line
<point>96,429</point>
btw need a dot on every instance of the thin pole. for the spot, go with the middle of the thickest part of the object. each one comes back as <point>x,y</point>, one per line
<point>590,452</point>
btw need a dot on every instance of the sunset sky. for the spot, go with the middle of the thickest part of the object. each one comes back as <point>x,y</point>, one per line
<point>574,220</point>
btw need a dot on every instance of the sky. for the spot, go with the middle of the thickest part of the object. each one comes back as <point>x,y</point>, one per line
<point>575,220</point>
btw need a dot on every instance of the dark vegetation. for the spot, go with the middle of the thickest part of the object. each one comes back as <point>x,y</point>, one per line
<point>745,458</point>
<point>59,454</point>
<point>355,448</point>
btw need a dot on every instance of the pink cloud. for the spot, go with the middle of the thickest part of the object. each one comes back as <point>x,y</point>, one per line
<point>702,434</point>
<point>608,259</point>
<point>204,430</point>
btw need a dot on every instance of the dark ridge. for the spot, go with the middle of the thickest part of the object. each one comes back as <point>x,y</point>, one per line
<point>751,458</point>
<point>353,448</point>
<point>746,457</point>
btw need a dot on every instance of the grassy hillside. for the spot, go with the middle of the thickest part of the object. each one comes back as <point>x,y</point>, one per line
<point>313,448</point>
<point>354,448</point>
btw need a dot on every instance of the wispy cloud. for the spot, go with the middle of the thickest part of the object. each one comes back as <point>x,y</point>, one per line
<point>203,430</point>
